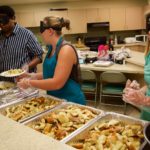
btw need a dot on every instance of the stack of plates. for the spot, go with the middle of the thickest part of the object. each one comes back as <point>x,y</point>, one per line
<point>100,63</point>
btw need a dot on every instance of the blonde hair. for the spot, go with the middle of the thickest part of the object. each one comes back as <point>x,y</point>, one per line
<point>57,23</point>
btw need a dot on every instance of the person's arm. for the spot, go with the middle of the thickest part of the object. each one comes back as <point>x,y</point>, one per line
<point>66,59</point>
<point>35,51</point>
<point>137,97</point>
<point>32,76</point>
<point>35,61</point>
<point>143,89</point>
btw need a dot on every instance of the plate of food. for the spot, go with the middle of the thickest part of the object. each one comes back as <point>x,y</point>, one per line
<point>12,73</point>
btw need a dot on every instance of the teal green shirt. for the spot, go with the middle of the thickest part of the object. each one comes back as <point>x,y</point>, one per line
<point>71,91</point>
<point>145,114</point>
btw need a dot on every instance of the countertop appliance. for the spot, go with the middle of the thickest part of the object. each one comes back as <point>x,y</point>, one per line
<point>141,38</point>
<point>94,42</point>
<point>146,144</point>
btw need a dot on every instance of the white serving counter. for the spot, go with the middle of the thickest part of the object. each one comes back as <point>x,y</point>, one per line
<point>15,136</point>
<point>127,68</point>
<point>137,58</point>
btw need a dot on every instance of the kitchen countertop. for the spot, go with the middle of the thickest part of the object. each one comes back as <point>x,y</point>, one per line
<point>15,136</point>
<point>127,68</point>
<point>131,44</point>
<point>83,48</point>
<point>137,58</point>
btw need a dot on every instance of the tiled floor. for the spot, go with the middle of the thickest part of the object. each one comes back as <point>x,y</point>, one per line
<point>130,111</point>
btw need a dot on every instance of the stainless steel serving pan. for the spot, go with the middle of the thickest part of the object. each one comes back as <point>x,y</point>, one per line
<point>14,95</point>
<point>147,133</point>
<point>108,116</point>
<point>15,103</point>
<point>146,144</point>
<point>5,87</point>
<point>58,109</point>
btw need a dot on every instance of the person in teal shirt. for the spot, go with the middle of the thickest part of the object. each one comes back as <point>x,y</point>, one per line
<point>61,72</point>
<point>141,96</point>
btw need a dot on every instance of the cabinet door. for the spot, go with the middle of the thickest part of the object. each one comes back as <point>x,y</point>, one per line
<point>134,18</point>
<point>39,16</point>
<point>104,14</point>
<point>26,19</point>
<point>117,19</point>
<point>92,15</point>
<point>78,21</point>
<point>63,14</point>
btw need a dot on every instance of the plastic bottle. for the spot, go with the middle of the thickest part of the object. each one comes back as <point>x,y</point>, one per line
<point>116,42</point>
<point>79,41</point>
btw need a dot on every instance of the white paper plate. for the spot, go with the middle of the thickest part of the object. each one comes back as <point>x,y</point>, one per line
<point>7,74</point>
<point>100,63</point>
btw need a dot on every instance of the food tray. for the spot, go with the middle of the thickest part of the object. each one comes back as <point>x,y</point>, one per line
<point>15,94</point>
<point>78,138</point>
<point>5,87</point>
<point>31,105</point>
<point>65,120</point>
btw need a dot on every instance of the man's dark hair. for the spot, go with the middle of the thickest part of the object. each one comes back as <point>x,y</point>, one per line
<point>7,10</point>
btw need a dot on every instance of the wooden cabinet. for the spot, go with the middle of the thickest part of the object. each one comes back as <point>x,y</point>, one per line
<point>117,19</point>
<point>92,15</point>
<point>26,18</point>
<point>77,18</point>
<point>39,16</point>
<point>131,18</point>
<point>104,14</point>
<point>97,15</point>
<point>134,18</point>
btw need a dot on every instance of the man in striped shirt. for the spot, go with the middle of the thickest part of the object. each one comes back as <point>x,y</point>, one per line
<point>18,46</point>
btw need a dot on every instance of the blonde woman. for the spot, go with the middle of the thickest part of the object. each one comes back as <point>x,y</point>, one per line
<point>133,94</point>
<point>61,72</point>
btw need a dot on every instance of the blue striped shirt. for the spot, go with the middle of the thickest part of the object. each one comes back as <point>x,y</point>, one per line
<point>17,49</point>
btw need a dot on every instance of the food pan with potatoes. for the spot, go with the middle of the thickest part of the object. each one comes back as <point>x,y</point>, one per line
<point>5,87</point>
<point>30,107</point>
<point>62,122</point>
<point>111,132</point>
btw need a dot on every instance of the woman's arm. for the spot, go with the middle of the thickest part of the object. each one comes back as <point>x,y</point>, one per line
<point>66,59</point>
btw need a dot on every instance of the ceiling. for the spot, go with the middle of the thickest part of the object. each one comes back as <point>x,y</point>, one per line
<point>14,2</point>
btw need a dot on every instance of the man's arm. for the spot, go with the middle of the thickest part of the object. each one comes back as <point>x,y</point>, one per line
<point>35,51</point>
<point>35,61</point>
